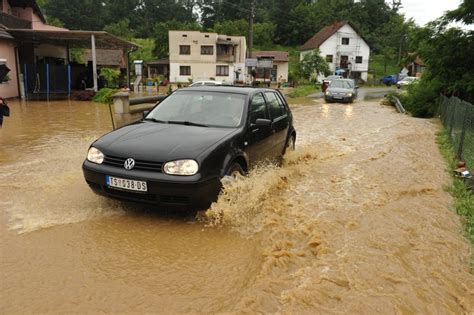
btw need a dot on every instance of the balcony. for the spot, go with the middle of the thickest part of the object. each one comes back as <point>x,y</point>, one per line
<point>225,53</point>
<point>12,21</point>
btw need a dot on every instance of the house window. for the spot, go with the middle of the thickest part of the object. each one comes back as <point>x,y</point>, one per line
<point>345,40</point>
<point>358,59</point>
<point>207,50</point>
<point>222,71</point>
<point>184,50</point>
<point>207,36</point>
<point>329,58</point>
<point>184,35</point>
<point>185,70</point>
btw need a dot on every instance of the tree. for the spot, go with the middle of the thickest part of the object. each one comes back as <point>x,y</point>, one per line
<point>76,14</point>
<point>120,29</point>
<point>313,64</point>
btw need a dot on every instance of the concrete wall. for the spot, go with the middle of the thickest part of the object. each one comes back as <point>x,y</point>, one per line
<point>6,7</point>
<point>203,67</point>
<point>10,88</point>
<point>282,69</point>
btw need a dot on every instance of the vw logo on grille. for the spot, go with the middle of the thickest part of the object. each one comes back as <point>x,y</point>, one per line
<point>129,164</point>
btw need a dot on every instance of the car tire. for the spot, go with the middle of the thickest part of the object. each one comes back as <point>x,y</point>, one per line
<point>290,144</point>
<point>235,171</point>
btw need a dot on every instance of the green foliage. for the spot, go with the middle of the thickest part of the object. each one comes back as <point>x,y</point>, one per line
<point>303,90</point>
<point>463,197</point>
<point>120,29</point>
<point>6,78</point>
<point>232,28</point>
<point>380,66</point>
<point>422,97</point>
<point>111,76</point>
<point>104,95</point>
<point>263,34</point>
<point>145,50</point>
<point>313,64</point>
<point>77,55</point>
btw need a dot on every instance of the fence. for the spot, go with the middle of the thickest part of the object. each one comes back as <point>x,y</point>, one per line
<point>458,118</point>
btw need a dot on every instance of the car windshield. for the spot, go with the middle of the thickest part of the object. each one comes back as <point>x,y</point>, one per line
<point>202,108</point>
<point>342,84</point>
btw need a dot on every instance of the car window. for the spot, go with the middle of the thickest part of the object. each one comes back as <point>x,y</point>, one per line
<point>202,107</point>
<point>276,110</point>
<point>341,84</point>
<point>258,108</point>
<point>281,103</point>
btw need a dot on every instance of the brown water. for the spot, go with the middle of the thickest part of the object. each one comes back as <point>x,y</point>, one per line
<point>356,221</point>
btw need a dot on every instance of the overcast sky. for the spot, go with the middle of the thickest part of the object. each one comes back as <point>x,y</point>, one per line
<point>423,11</point>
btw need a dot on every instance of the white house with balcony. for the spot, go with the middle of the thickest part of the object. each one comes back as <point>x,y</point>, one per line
<point>202,56</point>
<point>344,49</point>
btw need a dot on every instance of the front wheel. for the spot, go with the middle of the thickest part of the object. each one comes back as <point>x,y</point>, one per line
<point>290,144</point>
<point>235,171</point>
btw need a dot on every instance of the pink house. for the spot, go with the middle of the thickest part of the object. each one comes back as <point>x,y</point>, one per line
<point>37,54</point>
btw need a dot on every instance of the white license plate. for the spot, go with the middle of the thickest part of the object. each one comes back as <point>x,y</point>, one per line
<point>337,97</point>
<point>127,184</point>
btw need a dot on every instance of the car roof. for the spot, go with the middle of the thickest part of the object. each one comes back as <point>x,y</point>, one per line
<point>247,90</point>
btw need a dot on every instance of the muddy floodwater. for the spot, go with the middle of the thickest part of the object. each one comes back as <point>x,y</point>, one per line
<point>356,220</point>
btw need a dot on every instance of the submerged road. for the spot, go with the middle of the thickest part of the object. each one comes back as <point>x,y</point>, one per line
<point>356,221</point>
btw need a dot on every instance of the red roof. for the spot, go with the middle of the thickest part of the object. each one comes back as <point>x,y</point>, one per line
<point>323,35</point>
<point>276,55</point>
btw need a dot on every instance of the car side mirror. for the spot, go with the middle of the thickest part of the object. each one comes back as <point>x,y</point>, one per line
<point>145,113</point>
<point>260,122</point>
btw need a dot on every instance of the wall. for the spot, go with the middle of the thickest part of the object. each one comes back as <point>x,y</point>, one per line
<point>7,51</point>
<point>203,67</point>
<point>282,68</point>
<point>6,7</point>
<point>24,14</point>
<point>39,25</point>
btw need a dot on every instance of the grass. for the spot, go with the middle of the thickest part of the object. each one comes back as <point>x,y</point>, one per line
<point>104,95</point>
<point>303,90</point>
<point>463,197</point>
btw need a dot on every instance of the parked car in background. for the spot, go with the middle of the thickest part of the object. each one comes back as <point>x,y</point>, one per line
<point>329,78</point>
<point>406,81</point>
<point>206,83</point>
<point>341,90</point>
<point>178,154</point>
<point>389,79</point>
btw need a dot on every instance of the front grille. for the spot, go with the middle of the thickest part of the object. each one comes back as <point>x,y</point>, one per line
<point>139,164</point>
<point>129,195</point>
<point>177,200</point>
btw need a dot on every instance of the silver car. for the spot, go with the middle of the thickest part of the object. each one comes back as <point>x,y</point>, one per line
<point>341,90</point>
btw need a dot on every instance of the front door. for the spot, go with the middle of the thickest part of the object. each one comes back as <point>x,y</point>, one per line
<point>259,138</point>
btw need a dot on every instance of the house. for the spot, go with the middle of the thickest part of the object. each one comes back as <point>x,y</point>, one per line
<point>201,56</point>
<point>344,49</point>
<point>38,54</point>
<point>416,67</point>
<point>160,67</point>
<point>279,65</point>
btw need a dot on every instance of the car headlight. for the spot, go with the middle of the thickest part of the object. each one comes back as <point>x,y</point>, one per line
<point>95,156</point>
<point>181,167</point>
<point>328,93</point>
<point>349,94</point>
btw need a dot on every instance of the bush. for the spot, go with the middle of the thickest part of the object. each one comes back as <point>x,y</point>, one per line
<point>104,95</point>
<point>111,76</point>
<point>422,98</point>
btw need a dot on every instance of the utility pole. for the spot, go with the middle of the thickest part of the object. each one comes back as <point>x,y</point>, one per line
<point>251,18</point>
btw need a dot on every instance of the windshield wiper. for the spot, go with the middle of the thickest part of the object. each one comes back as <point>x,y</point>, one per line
<point>187,123</point>
<point>156,120</point>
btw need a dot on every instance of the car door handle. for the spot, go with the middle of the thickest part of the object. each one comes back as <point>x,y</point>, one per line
<point>255,130</point>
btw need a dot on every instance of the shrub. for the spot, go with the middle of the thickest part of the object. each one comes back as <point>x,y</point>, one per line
<point>111,76</point>
<point>422,98</point>
<point>104,95</point>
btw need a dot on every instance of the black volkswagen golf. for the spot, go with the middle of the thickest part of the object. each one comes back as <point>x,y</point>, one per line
<point>178,154</point>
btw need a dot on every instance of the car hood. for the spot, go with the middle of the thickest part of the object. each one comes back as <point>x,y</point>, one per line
<point>340,90</point>
<point>159,142</point>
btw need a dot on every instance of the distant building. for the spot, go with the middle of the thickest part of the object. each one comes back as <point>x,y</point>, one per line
<point>344,49</point>
<point>202,56</point>
<point>279,65</point>
<point>38,54</point>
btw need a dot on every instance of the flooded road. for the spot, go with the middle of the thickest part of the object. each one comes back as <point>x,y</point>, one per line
<point>356,221</point>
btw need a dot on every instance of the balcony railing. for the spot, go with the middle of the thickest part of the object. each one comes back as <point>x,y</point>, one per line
<point>12,21</point>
